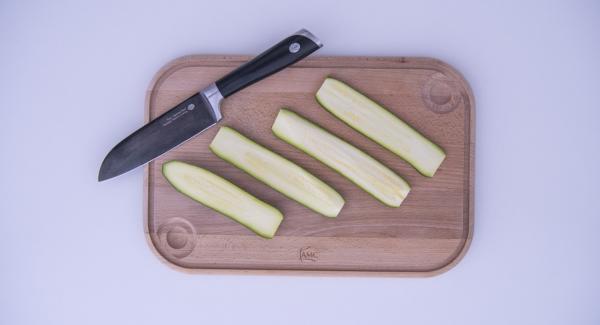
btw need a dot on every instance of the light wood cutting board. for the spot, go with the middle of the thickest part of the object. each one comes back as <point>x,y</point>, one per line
<point>427,235</point>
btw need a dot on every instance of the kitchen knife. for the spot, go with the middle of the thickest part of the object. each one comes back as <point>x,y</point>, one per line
<point>202,110</point>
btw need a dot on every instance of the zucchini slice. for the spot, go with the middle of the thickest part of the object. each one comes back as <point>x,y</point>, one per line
<point>357,166</point>
<point>277,172</point>
<point>223,196</point>
<point>380,125</point>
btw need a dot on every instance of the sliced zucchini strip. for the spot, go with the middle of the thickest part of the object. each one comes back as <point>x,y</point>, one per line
<point>349,161</point>
<point>380,125</point>
<point>223,196</point>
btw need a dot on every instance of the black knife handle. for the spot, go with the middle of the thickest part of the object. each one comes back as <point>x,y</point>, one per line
<point>283,54</point>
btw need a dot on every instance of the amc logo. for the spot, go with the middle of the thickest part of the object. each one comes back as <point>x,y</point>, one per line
<point>308,253</point>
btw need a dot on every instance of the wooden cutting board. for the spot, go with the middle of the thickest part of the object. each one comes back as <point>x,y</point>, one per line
<point>427,235</point>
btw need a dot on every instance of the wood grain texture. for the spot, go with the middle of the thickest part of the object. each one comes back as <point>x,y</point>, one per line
<point>426,236</point>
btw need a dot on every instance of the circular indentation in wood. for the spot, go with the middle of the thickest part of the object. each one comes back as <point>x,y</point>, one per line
<point>440,94</point>
<point>177,237</point>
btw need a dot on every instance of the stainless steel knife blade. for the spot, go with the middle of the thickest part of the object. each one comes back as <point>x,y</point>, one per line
<point>162,134</point>
<point>202,110</point>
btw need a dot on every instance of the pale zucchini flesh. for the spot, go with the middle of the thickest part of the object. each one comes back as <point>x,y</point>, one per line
<point>380,125</point>
<point>360,168</point>
<point>223,196</point>
<point>277,172</point>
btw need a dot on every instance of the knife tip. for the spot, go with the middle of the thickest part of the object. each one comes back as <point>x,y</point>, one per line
<point>104,172</point>
<point>101,177</point>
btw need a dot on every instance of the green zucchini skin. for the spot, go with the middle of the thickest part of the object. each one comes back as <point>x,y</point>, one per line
<point>358,167</point>
<point>277,172</point>
<point>380,125</point>
<point>221,195</point>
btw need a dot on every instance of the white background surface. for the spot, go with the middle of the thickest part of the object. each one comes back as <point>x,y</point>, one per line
<point>73,76</point>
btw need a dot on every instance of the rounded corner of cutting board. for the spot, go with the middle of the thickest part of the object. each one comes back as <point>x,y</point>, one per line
<point>456,259</point>
<point>451,70</point>
<point>161,257</point>
<point>391,62</point>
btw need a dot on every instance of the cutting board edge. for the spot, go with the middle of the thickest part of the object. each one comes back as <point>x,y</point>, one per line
<point>393,61</point>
